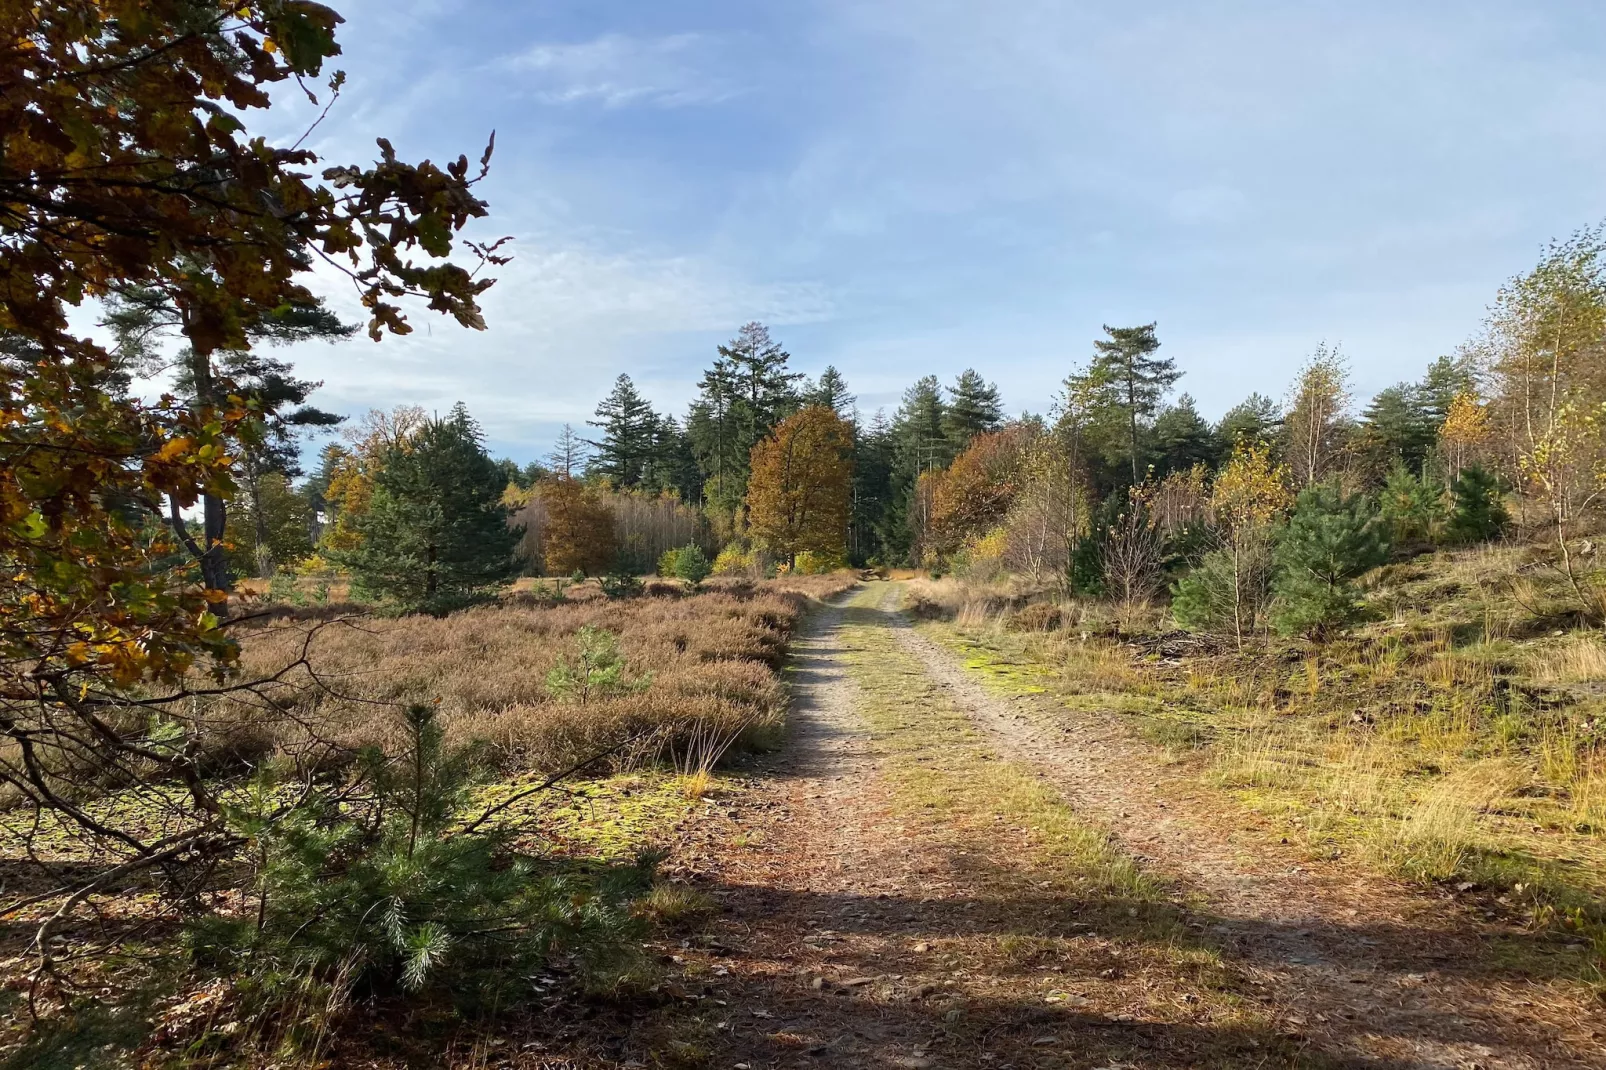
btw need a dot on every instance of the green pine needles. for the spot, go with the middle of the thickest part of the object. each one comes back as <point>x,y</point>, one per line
<point>395,882</point>
<point>1330,541</point>
<point>596,671</point>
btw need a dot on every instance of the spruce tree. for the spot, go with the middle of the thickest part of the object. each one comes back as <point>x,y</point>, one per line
<point>1136,378</point>
<point>436,535</point>
<point>628,426</point>
<point>974,406</point>
<point>831,391</point>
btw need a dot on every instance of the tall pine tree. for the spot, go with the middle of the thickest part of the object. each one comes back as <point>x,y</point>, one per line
<point>436,535</point>
<point>1136,378</point>
<point>973,408</point>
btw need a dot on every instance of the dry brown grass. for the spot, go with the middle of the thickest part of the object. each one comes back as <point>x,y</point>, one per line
<point>708,661</point>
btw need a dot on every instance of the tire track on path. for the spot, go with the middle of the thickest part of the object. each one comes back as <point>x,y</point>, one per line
<point>1362,966</point>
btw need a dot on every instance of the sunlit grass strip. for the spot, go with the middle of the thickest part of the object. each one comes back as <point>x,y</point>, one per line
<point>1426,796</point>
<point>940,765</point>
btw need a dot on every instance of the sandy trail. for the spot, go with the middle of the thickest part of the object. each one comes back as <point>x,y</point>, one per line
<point>850,925</point>
<point>1374,970</point>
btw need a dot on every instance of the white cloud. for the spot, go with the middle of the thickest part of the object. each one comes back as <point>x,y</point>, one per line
<point>565,317</point>
<point>615,70</point>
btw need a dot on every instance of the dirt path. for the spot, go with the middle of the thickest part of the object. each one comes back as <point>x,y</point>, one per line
<point>906,884</point>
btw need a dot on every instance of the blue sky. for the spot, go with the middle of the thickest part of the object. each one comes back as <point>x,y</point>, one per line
<point>909,186</point>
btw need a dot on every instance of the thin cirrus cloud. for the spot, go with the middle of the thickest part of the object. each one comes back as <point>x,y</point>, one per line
<point>615,70</point>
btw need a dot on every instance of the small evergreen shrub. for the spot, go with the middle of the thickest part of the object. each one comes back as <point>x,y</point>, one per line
<point>396,883</point>
<point>1330,541</point>
<point>691,564</point>
<point>1478,513</point>
<point>621,585</point>
<point>1411,508</point>
<point>669,563</point>
<point>595,671</point>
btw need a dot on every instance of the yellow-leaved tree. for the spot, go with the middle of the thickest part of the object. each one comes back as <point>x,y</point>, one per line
<point>798,490</point>
<point>1231,588</point>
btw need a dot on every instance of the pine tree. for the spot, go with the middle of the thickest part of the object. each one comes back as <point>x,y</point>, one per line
<point>1256,419</point>
<point>1329,542</point>
<point>268,386</point>
<point>1446,379</point>
<point>1412,508</point>
<point>1138,380</point>
<point>1398,428</point>
<point>1181,439</point>
<point>974,407</point>
<point>628,425</point>
<point>271,386</point>
<point>1479,510</point>
<point>436,535</point>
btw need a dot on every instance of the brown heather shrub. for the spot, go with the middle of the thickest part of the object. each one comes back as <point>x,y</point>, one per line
<point>712,658</point>
<point>1037,617</point>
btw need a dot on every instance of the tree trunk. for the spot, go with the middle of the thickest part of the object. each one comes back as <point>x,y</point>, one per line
<point>214,513</point>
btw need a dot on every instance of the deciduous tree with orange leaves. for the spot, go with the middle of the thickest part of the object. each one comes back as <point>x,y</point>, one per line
<point>798,493</point>
<point>126,167</point>
<point>977,490</point>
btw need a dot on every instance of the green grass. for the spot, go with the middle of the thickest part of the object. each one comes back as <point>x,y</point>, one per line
<point>1452,742</point>
<point>941,768</point>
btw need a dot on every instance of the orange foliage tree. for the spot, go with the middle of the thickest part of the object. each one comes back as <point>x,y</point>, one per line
<point>977,490</point>
<point>568,528</point>
<point>798,492</point>
<point>126,166</point>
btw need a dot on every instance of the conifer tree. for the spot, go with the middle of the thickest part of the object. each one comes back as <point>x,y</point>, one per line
<point>1136,378</point>
<point>1256,419</point>
<point>1329,542</point>
<point>569,454</point>
<point>1398,428</point>
<point>1479,510</point>
<point>1181,438</point>
<point>436,535</point>
<point>765,390</point>
<point>974,407</point>
<point>831,391</point>
<point>741,398</point>
<point>920,447</point>
<point>628,428</point>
